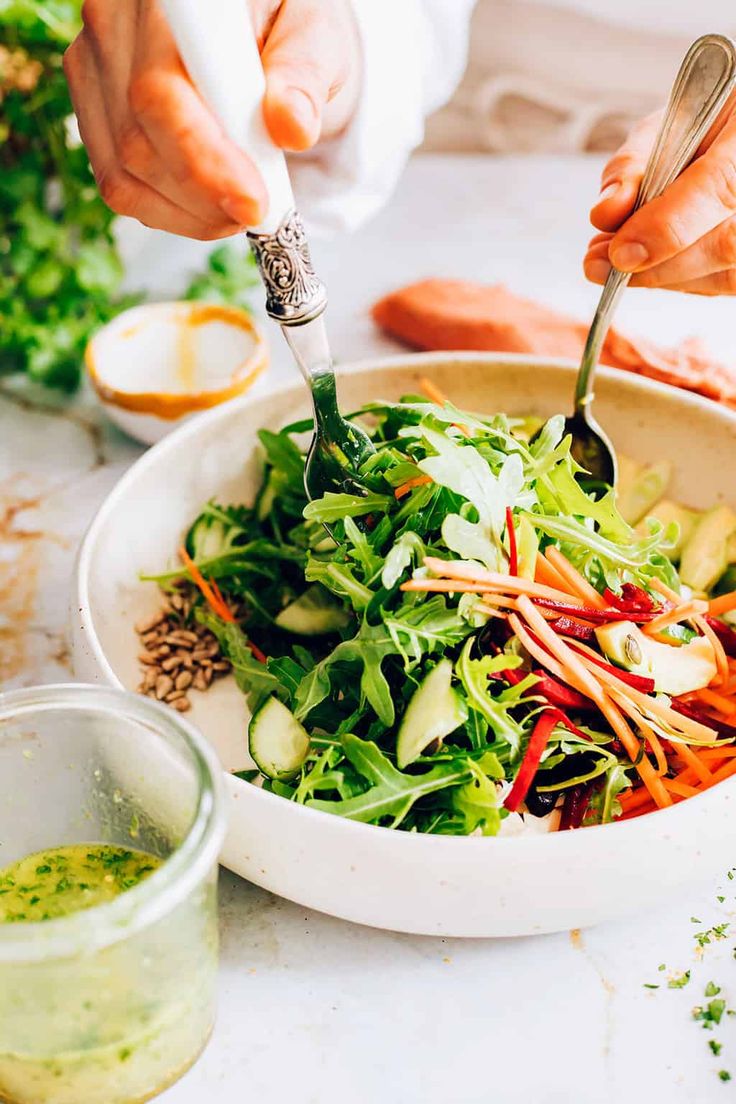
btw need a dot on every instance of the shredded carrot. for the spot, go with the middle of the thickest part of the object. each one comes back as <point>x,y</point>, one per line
<point>710,754</point>
<point>631,799</point>
<point>432,391</point>
<point>542,655</point>
<point>417,481</point>
<point>694,760</point>
<point>716,701</point>
<point>512,584</point>
<point>723,772</point>
<point>212,596</point>
<point>576,667</point>
<point>721,657</point>
<point>673,616</point>
<point>680,788</point>
<point>725,603</point>
<point>545,573</point>
<point>665,591</point>
<point>214,599</point>
<point>575,581</point>
<point>654,743</point>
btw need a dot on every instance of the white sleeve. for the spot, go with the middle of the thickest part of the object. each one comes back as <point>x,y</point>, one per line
<point>414,55</point>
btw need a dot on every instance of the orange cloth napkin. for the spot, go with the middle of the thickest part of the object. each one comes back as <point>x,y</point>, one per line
<point>457,314</point>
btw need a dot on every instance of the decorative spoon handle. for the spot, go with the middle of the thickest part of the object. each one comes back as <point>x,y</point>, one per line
<point>219,49</point>
<point>706,78</point>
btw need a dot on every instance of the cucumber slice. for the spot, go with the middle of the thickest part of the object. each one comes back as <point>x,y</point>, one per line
<point>313,613</point>
<point>435,710</point>
<point>278,744</point>
<point>705,555</point>
<point>666,512</point>
<point>640,487</point>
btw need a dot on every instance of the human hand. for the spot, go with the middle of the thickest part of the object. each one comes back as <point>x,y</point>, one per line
<point>158,153</point>
<point>684,240</point>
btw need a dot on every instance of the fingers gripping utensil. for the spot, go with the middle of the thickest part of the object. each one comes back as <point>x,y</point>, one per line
<point>219,50</point>
<point>706,78</point>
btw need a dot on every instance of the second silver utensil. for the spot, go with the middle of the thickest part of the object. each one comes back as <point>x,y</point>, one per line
<point>706,78</point>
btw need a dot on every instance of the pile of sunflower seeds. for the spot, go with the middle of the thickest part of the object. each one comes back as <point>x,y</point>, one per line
<point>179,655</point>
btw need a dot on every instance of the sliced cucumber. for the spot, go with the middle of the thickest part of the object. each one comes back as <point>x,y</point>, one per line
<point>435,710</point>
<point>208,538</point>
<point>278,744</point>
<point>675,670</point>
<point>705,555</point>
<point>666,512</point>
<point>313,613</point>
<point>640,487</point>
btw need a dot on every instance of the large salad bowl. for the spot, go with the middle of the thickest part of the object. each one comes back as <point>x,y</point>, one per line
<point>454,886</point>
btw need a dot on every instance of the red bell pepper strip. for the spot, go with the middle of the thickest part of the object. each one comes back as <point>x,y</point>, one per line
<point>577,800</point>
<point>567,626</point>
<point>723,728</point>
<point>639,682</point>
<point>632,599</point>
<point>599,617</point>
<point>513,550</point>
<point>535,749</point>
<point>725,634</point>
<point>557,693</point>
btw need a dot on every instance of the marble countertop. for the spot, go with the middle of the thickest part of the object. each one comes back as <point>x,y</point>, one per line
<point>314,1010</point>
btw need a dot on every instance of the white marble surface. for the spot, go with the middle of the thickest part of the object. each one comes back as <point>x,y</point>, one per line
<point>313,1010</point>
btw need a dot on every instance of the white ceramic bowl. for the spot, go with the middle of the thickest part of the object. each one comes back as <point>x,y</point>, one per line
<point>157,364</point>
<point>424,884</point>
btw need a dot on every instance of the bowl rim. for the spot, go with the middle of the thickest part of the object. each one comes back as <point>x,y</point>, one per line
<point>666,819</point>
<point>170,405</point>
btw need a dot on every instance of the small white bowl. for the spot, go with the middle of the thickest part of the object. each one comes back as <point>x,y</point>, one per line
<point>156,365</point>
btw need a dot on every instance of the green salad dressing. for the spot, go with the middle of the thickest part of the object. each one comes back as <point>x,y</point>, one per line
<point>53,883</point>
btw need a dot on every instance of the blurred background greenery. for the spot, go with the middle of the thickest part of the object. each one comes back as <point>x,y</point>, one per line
<point>60,269</point>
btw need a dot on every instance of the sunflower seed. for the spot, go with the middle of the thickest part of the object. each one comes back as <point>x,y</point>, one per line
<point>182,705</point>
<point>184,680</point>
<point>147,623</point>
<point>164,686</point>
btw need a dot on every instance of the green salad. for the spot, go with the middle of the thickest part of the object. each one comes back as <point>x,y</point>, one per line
<point>478,641</point>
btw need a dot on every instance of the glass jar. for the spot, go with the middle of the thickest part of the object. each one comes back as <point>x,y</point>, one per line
<point>111,1004</point>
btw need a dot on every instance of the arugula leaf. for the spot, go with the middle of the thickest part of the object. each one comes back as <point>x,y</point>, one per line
<point>478,801</point>
<point>392,792</point>
<point>332,507</point>
<point>255,679</point>
<point>473,674</point>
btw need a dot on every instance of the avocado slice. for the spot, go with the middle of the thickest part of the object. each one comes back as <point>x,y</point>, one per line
<point>640,487</point>
<point>666,512</point>
<point>705,554</point>
<point>675,670</point>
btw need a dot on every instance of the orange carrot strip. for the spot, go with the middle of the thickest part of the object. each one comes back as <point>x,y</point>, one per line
<point>721,657</point>
<point>545,573</point>
<point>721,704</point>
<point>214,599</point>
<point>665,591</point>
<point>673,616</point>
<point>680,788</point>
<point>576,667</point>
<point>724,772</point>
<point>575,581</point>
<point>511,584</point>
<point>542,655</point>
<point>699,733</point>
<point>631,799</point>
<point>433,392</point>
<point>417,481</point>
<point>725,603</point>
<point>657,749</point>
<point>694,760</point>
